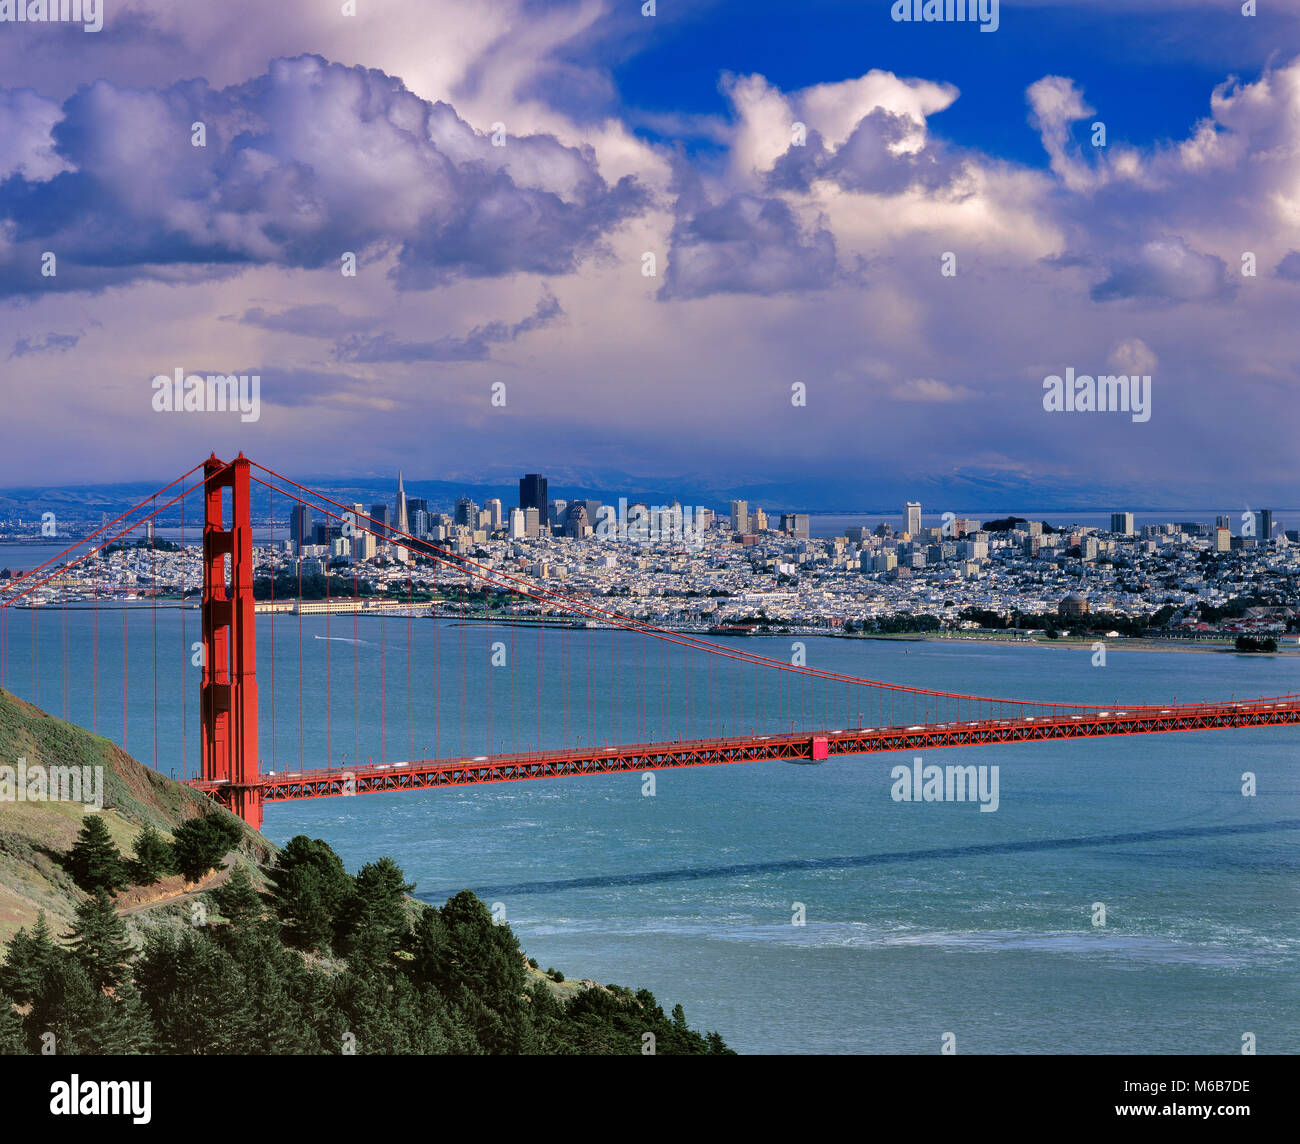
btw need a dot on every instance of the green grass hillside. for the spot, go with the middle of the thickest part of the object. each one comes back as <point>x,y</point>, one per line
<point>35,835</point>
<point>270,951</point>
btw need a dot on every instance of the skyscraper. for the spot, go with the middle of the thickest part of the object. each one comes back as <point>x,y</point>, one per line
<point>383,518</point>
<point>739,516</point>
<point>913,512</point>
<point>466,512</point>
<point>1121,523</point>
<point>532,493</point>
<point>493,505</point>
<point>403,525</point>
<point>300,527</point>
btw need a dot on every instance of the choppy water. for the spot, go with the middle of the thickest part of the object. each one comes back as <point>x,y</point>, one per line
<point>921,919</point>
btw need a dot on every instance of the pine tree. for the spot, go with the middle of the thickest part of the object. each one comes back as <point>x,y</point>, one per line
<point>13,1041</point>
<point>237,898</point>
<point>195,993</point>
<point>201,843</point>
<point>95,860</point>
<point>311,891</point>
<point>153,858</point>
<point>84,1019</point>
<point>99,941</point>
<point>28,961</point>
<point>378,908</point>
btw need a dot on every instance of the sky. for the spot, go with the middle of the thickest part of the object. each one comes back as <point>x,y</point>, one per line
<point>803,249</point>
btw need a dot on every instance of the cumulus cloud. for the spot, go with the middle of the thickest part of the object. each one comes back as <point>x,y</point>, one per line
<point>876,158</point>
<point>306,162</point>
<point>1055,104</point>
<point>26,142</point>
<point>1289,267</point>
<point>1167,270</point>
<point>1133,356</point>
<point>746,245</point>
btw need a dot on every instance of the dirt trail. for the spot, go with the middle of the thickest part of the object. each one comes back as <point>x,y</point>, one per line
<point>213,880</point>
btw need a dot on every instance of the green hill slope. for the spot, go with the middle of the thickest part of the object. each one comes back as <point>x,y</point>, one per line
<point>34,835</point>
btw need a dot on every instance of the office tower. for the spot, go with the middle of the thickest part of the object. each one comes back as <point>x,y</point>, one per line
<point>466,512</point>
<point>419,522</point>
<point>516,524</point>
<point>416,504</point>
<point>577,525</point>
<point>555,512</point>
<point>532,523</point>
<point>913,514</point>
<point>364,545</point>
<point>758,520</point>
<point>300,527</point>
<point>739,516</point>
<point>1223,522</point>
<point>795,524</point>
<point>494,507</point>
<point>403,524</point>
<point>1264,525</point>
<point>532,493</point>
<point>592,508</point>
<point>1121,523</point>
<point>382,521</point>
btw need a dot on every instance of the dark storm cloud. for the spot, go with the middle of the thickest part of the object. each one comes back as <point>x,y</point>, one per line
<point>867,160</point>
<point>302,164</point>
<point>745,244</point>
<point>1289,267</point>
<point>1166,270</point>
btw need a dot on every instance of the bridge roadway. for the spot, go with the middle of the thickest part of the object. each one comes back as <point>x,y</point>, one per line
<point>1061,723</point>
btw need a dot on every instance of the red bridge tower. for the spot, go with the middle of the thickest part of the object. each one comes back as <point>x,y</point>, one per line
<point>228,698</point>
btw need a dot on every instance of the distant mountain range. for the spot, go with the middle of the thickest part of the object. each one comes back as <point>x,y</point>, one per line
<point>976,493</point>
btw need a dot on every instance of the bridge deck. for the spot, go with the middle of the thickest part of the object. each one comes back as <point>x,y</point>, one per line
<point>803,745</point>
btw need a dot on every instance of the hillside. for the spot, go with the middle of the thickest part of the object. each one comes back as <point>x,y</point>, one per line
<point>34,835</point>
<point>267,950</point>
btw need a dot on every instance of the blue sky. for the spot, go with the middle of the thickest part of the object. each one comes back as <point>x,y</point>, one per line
<point>777,263</point>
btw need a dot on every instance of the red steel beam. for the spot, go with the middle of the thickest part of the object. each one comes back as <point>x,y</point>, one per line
<point>427,774</point>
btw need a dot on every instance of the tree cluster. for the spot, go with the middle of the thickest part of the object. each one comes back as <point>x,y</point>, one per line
<point>322,962</point>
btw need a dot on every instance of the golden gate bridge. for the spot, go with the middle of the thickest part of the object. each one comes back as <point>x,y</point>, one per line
<point>810,714</point>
